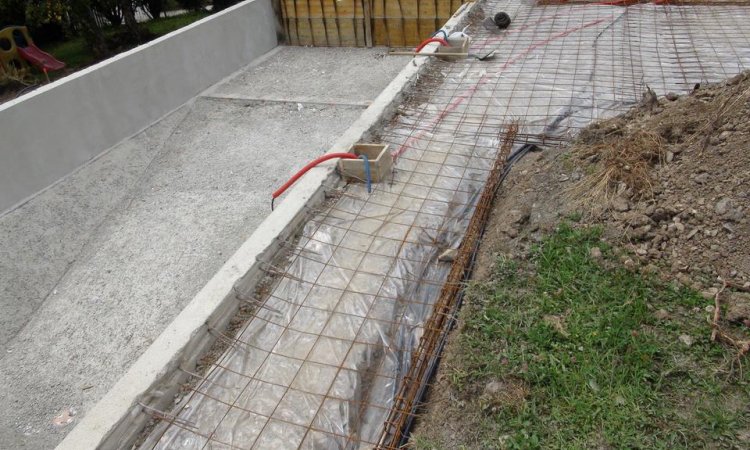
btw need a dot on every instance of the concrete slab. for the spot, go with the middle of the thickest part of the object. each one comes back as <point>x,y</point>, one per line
<point>55,129</point>
<point>310,75</point>
<point>93,269</point>
<point>42,239</point>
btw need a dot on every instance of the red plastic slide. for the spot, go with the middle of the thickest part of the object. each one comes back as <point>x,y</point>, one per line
<point>43,60</point>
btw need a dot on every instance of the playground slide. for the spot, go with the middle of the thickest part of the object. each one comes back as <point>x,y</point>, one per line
<point>42,60</point>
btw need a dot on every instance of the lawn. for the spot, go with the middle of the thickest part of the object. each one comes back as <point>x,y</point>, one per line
<point>567,348</point>
<point>76,54</point>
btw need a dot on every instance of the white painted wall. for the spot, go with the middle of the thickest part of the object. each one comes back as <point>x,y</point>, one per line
<point>50,132</point>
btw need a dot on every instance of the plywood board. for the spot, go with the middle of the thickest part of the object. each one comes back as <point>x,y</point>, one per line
<point>396,23</point>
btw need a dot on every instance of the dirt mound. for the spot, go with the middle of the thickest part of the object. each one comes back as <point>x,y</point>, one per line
<point>688,213</point>
<point>668,183</point>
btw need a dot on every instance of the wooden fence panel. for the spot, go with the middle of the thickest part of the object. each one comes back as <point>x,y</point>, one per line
<point>359,23</point>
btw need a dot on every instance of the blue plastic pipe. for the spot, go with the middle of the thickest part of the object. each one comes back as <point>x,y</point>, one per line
<point>440,31</point>
<point>367,173</point>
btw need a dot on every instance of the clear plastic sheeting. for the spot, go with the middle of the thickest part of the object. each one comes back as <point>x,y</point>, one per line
<point>318,365</point>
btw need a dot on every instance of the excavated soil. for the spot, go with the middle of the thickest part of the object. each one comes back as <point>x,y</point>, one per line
<point>675,199</point>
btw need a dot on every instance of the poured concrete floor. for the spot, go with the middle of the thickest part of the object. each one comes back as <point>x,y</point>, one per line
<point>94,268</point>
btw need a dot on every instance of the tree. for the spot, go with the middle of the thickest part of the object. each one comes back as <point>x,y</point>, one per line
<point>155,8</point>
<point>110,9</point>
<point>12,12</point>
<point>84,20</point>
<point>191,5</point>
<point>223,4</point>
<point>128,13</point>
<point>47,20</point>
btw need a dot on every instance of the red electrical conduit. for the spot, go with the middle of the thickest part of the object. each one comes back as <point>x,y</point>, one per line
<point>309,166</point>
<point>429,41</point>
<point>626,2</point>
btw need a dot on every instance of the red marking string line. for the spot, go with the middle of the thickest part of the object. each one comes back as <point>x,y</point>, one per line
<point>470,91</point>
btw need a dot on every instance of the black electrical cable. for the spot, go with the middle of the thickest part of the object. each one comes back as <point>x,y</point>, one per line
<point>514,157</point>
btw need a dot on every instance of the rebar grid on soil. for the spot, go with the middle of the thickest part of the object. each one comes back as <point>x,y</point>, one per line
<point>340,344</point>
<point>438,322</point>
<point>382,222</point>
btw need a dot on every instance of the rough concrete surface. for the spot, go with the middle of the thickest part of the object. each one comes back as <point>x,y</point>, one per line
<point>58,127</point>
<point>95,267</point>
<point>311,74</point>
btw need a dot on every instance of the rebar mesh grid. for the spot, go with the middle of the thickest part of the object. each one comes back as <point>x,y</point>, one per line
<point>440,318</point>
<point>334,355</point>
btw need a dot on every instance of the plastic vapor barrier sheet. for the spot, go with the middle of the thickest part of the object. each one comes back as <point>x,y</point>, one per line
<point>318,365</point>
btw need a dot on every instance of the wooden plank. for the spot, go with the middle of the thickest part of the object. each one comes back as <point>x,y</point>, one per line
<point>395,23</point>
<point>367,7</point>
<point>299,8</point>
<point>335,16</point>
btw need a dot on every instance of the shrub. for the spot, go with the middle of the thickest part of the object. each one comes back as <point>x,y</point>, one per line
<point>224,4</point>
<point>191,5</point>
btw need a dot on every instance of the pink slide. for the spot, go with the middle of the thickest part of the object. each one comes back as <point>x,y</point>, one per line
<point>39,58</point>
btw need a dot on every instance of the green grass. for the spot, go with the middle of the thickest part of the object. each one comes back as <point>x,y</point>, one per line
<point>598,369</point>
<point>72,52</point>
<point>163,26</point>
<point>77,55</point>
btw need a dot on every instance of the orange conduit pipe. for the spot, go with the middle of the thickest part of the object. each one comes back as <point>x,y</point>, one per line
<point>304,170</point>
<point>429,41</point>
<point>627,2</point>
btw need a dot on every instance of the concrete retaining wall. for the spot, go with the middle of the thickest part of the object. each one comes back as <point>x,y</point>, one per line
<point>50,132</point>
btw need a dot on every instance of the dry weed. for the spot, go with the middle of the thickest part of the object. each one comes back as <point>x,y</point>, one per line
<point>620,162</point>
<point>14,75</point>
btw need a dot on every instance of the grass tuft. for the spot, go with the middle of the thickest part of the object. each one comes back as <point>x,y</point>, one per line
<point>597,368</point>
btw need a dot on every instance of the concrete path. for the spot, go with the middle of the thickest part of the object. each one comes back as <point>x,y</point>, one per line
<point>92,269</point>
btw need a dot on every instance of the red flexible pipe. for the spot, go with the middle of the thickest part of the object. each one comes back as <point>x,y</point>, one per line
<point>312,164</point>
<point>430,40</point>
